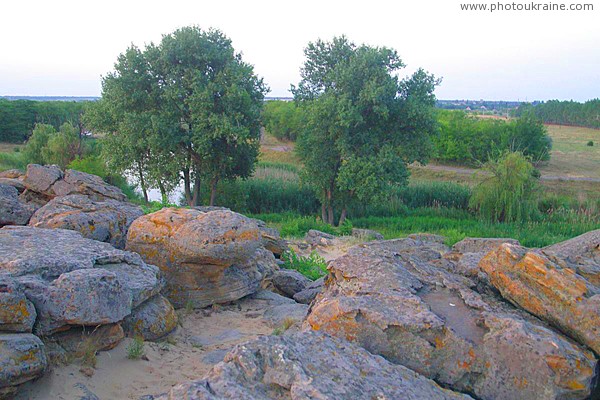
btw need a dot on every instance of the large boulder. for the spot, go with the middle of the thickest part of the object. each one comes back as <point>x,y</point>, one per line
<point>307,366</point>
<point>207,258</point>
<point>22,359</point>
<point>271,239</point>
<point>72,280</point>
<point>311,291</point>
<point>17,314</point>
<point>152,320</point>
<point>12,210</point>
<point>467,253</point>
<point>44,183</point>
<point>105,221</point>
<point>289,282</point>
<point>548,285</point>
<point>400,299</point>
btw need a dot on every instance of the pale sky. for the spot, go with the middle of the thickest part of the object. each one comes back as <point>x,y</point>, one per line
<point>61,48</point>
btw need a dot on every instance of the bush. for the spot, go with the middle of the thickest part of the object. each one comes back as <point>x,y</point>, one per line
<point>590,143</point>
<point>282,119</point>
<point>313,267</point>
<point>509,194</point>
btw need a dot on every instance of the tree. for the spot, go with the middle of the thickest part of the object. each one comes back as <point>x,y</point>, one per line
<point>362,124</point>
<point>47,146</point>
<point>508,193</point>
<point>186,109</point>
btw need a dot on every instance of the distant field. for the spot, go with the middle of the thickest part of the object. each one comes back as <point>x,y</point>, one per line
<point>9,147</point>
<point>571,156</point>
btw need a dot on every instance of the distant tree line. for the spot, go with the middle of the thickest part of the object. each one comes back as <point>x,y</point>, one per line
<point>283,119</point>
<point>466,139</point>
<point>18,117</point>
<point>565,112</point>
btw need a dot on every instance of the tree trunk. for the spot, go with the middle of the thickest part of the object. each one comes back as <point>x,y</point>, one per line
<point>187,187</point>
<point>213,191</point>
<point>196,193</point>
<point>143,183</point>
<point>330,212</point>
<point>163,193</point>
<point>323,212</point>
<point>343,216</point>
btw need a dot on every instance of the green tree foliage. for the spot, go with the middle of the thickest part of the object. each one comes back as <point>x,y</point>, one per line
<point>362,124</point>
<point>283,119</point>
<point>49,146</point>
<point>508,194</point>
<point>565,112</point>
<point>470,140</point>
<point>18,117</point>
<point>186,108</point>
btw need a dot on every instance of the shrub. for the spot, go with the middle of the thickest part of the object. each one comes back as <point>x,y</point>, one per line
<point>590,143</point>
<point>509,194</point>
<point>313,267</point>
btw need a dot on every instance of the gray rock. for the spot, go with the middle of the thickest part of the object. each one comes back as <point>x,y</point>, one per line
<point>310,292</point>
<point>78,342</point>
<point>289,282</point>
<point>17,314</point>
<point>152,320</point>
<point>72,280</point>
<point>105,221</point>
<point>16,183</point>
<point>278,315</point>
<point>12,210</point>
<point>307,366</point>
<point>317,238</point>
<point>271,239</point>
<point>207,258</point>
<point>400,299</point>
<point>366,234</point>
<point>22,359</point>
<point>481,245</point>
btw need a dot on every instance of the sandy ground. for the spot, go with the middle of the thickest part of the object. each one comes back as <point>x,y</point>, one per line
<point>203,339</point>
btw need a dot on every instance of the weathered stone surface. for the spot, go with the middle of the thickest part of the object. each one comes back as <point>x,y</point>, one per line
<point>271,239</point>
<point>400,300</point>
<point>289,282</point>
<point>105,221</point>
<point>549,289</point>
<point>317,238</point>
<point>72,280</point>
<point>12,210</point>
<point>275,308</point>
<point>467,253</point>
<point>366,234</point>
<point>17,314</point>
<point>47,182</point>
<point>307,366</point>
<point>16,183</point>
<point>22,359</point>
<point>79,342</point>
<point>152,320</point>
<point>207,258</point>
<point>12,174</point>
<point>311,291</point>
<point>581,253</point>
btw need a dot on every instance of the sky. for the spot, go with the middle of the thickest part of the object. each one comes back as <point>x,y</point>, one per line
<point>62,48</point>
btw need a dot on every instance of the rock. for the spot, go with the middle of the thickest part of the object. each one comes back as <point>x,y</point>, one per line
<point>467,253</point>
<point>275,308</point>
<point>72,280</point>
<point>400,299</point>
<point>44,183</point>
<point>152,320</point>
<point>311,291</point>
<point>289,282</point>
<point>366,234</point>
<point>581,253</point>
<point>307,366</point>
<point>271,239</point>
<point>17,314</point>
<point>547,288</point>
<point>81,342</point>
<point>12,174</point>
<point>12,210</point>
<point>105,221</point>
<point>207,258</point>
<point>16,183</point>
<point>22,359</point>
<point>317,238</point>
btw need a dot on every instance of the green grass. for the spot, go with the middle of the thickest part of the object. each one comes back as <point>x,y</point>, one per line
<point>455,225</point>
<point>313,266</point>
<point>135,350</point>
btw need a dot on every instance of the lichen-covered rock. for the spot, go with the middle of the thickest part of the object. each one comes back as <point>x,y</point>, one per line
<point>366,234</point>
<point>271,239</point>
<point>467,253</point>
<point>400,299</point>
<point>12,174</point>
<point>581,253</point>
<point>207,257</point>
<point>22,359</point>
<point>307,366</point>
<point>12,210</point>
<point>317,238</point>
<point>289,282</point>
<point>105,221</point>
<point>44,183</point>
<point>17,314</point>
<point>81,341</point>
<point>16,183</point>
<point>311,291</point>
<point>152,320</point>
<point>72,280</point>
<point>549,288</point>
